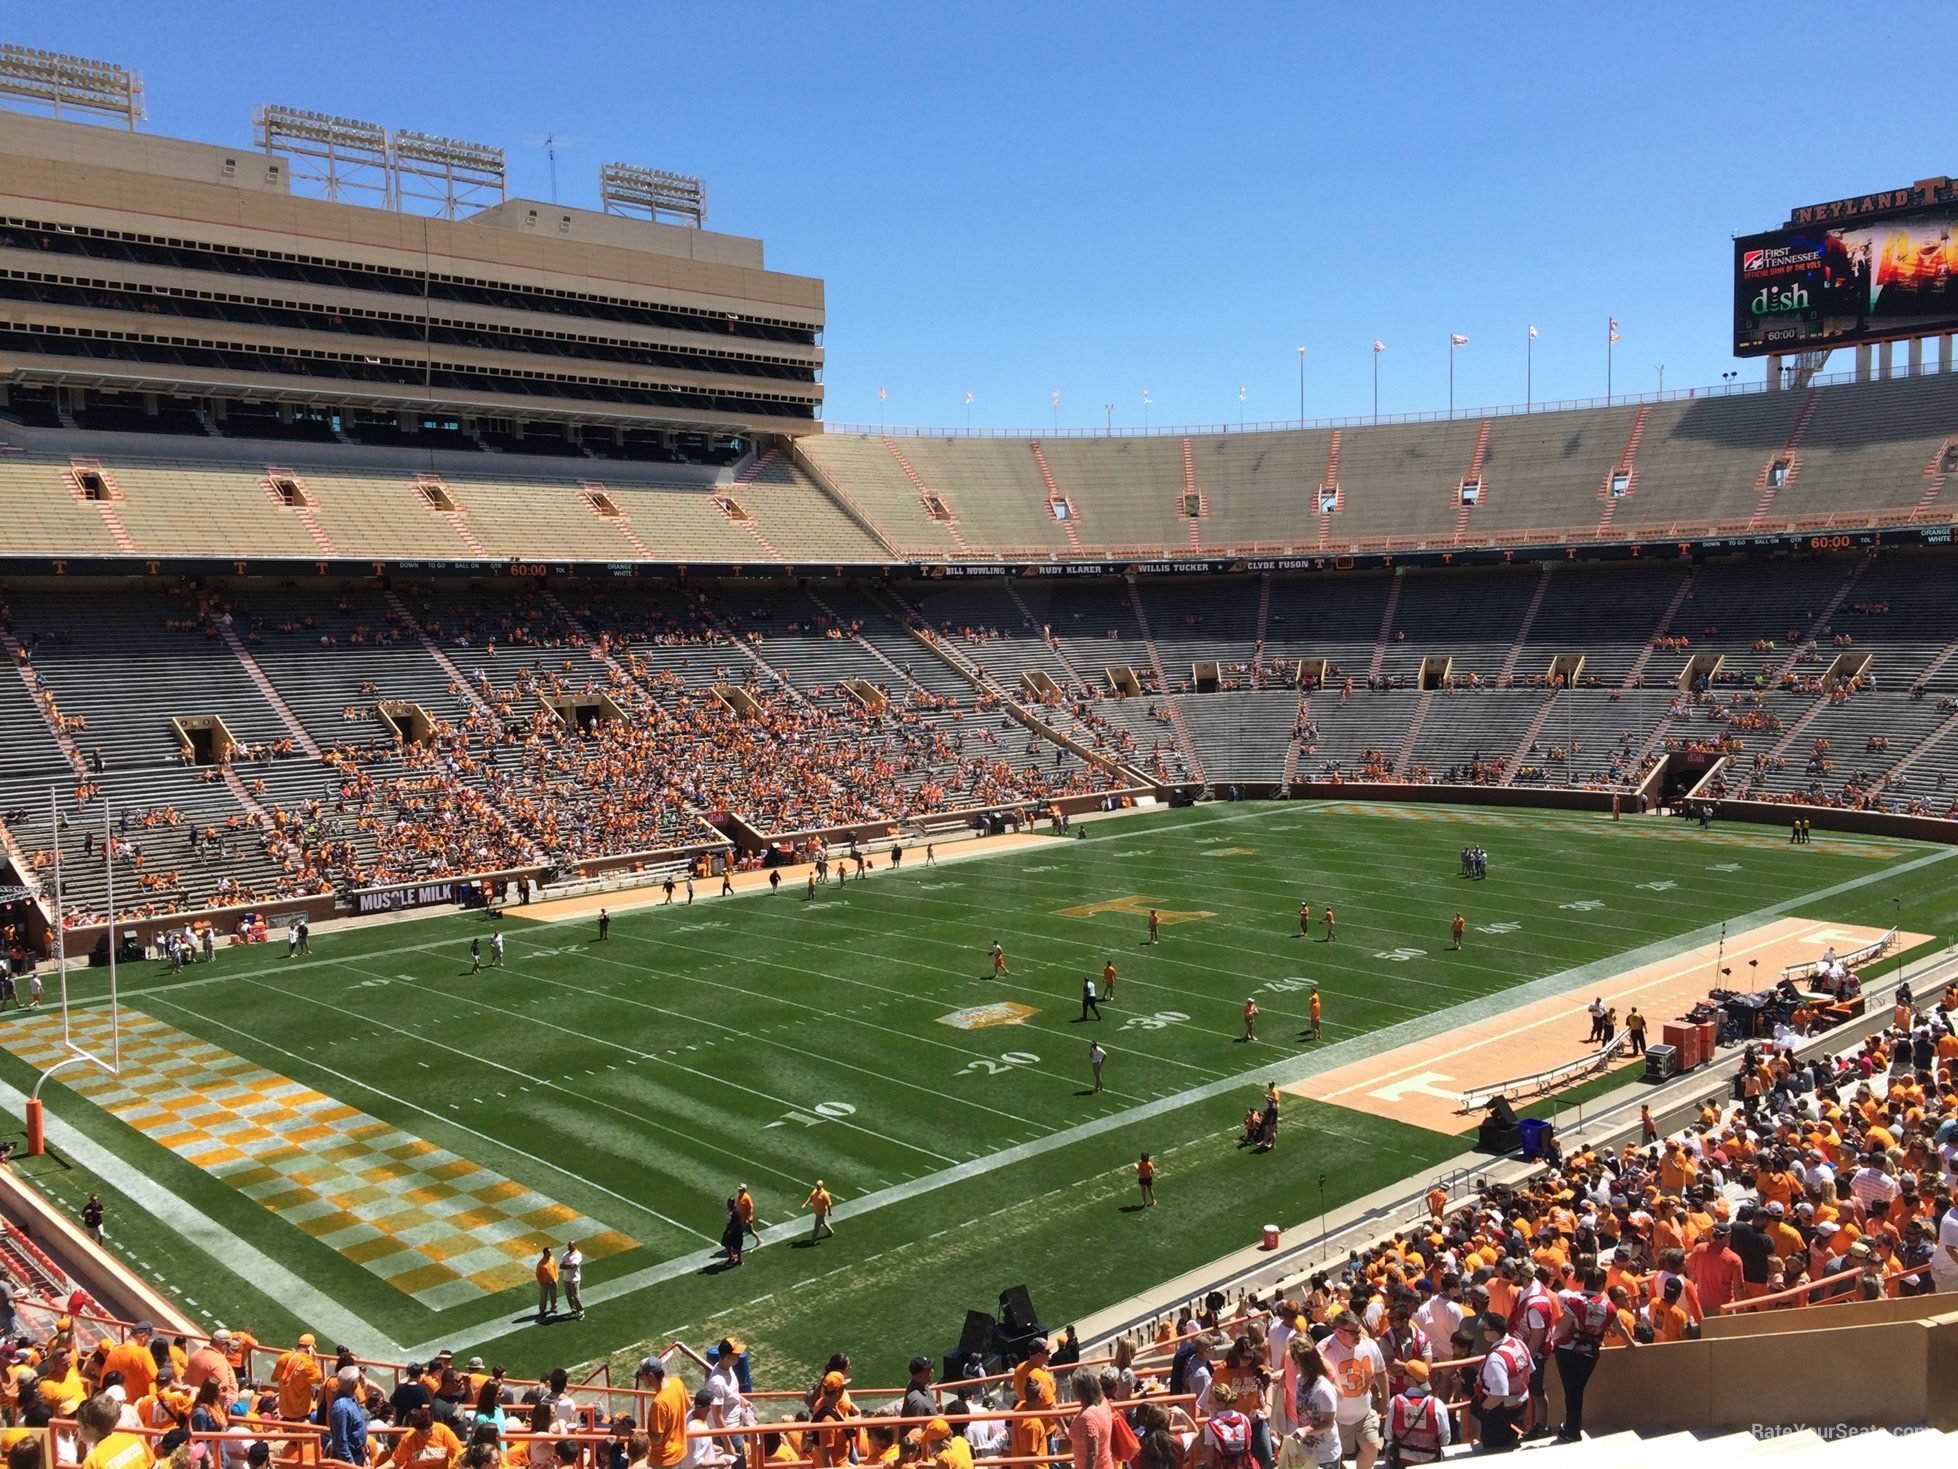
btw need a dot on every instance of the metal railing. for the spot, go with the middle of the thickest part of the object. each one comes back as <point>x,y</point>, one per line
<point>1873,950</point>
<point>1295,425</point>
<point>1536,1083</point>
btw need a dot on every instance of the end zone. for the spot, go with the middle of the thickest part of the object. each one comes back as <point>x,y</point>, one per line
<point>1423,1083</point>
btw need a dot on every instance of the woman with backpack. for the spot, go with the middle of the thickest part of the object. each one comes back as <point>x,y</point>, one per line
<point>1226,1439</point>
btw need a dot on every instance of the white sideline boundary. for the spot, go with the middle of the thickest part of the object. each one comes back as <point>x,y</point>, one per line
<point>323,1312</point>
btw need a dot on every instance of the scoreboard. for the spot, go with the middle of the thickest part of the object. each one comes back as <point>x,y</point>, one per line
<point>1836,283</point>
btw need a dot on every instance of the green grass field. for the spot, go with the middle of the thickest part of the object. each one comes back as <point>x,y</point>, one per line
<point>768,1040</point>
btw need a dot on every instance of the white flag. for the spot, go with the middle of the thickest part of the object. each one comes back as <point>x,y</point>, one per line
<point>968,398</point>
<point>882,395</point>
<point>1533,332</point>
<point>1379,346</point>
<point>1457,340</point>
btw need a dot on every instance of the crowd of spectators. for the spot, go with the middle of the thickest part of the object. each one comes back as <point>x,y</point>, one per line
<point>1810,1182</point>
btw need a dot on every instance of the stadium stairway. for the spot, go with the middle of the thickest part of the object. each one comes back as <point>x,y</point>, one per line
<point>1173,705</point>
<point>598,649</point>
<point>18,722</point>
<point>1075,681</point>
<point>1532,733</point>
<point>294,728</point>
<point>1380,643</point>
<point>1508,670</point>
<point>457,682</point>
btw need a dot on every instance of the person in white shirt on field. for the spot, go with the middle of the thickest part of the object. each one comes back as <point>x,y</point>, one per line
<point>571,1275</point>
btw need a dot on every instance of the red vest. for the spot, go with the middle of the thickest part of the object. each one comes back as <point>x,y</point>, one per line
<point>1413,1423</point>
<point>1592,1314</point>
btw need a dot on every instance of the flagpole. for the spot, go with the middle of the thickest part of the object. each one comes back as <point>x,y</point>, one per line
<point>1301,387</point>
<point>1376,385</point>
<point>1451,376</point>
<point>1529,369</point>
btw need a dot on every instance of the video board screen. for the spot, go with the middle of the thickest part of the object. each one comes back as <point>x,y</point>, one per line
<point>1819,286</point>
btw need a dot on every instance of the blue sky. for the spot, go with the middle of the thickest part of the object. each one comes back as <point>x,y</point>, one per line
<point>1012,199</point>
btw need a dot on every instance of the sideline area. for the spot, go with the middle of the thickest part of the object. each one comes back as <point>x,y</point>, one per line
<point>1424,1082</point>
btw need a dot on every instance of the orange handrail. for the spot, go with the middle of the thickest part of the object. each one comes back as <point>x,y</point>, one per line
<point>1799,1294</point>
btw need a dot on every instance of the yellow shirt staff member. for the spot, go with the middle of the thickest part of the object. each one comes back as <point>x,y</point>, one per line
<point>819,1204</point>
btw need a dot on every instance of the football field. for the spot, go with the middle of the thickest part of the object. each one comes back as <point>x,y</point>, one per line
<point>373,1143</point>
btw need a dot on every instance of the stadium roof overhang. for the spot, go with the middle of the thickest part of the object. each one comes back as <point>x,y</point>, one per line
<point>320,393</point>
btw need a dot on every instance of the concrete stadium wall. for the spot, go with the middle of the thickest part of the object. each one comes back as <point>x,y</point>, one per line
<point>1778,1379</point>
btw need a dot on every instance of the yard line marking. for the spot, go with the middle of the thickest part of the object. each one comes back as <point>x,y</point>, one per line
<point>621,1046</point>
<point>1287,1072</point>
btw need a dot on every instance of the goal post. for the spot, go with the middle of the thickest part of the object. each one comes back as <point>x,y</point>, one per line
<point>78,1054</point>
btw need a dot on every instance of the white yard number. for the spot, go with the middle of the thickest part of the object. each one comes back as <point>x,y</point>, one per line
<point>1285,986</point>
<point>1583,905</point>
<point>1504,926</point>
<point>1724,867</point>
<point>1663,885</point>
<point>1154,1022</point>
<point>1401,956</point>
<point>986,1066</point>
<point>820,1112</point>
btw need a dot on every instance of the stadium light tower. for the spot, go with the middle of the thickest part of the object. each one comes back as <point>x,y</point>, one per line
<point>55,80</point>
<point>625,188</point>
<point>340,156</point>
<point>447,172</point>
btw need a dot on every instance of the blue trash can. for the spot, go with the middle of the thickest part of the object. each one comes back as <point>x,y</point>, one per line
<point>1536,1137</point>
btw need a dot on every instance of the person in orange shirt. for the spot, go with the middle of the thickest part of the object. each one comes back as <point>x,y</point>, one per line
<point>134,1360</point>
<point>546,1285</point>
<point>1621,1302</point>
<point>167,1407</point>
<point>298,1374</point>
<point>1331,932</point>
<point>744,1204</point>
<point>1030,1434</point>
<point>1437,1202</point>
<point>1316,1012</point>
<point>1145,1178</point>
<point>1676,1170</point>
<point>1251,1019</point>
<point>1669,1319</point>
<point>1455,931</point>
<point>427,1444</point>
<point>666,1415</point>
<point>1108,980</point>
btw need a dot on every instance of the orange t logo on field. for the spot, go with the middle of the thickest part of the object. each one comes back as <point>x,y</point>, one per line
<point>1132,904</point>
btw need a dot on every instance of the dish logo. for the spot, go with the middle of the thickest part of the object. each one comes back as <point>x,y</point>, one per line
<point>1786,298</point>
